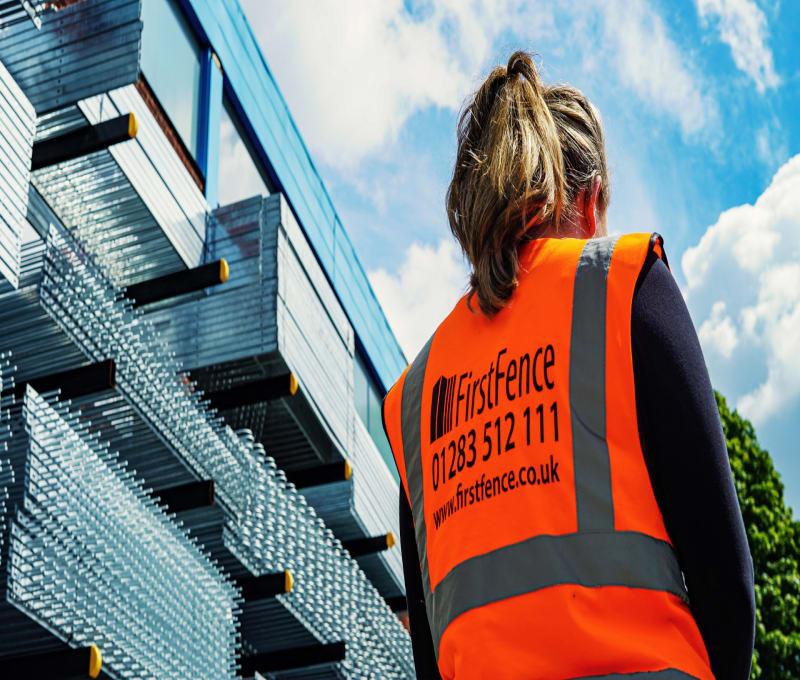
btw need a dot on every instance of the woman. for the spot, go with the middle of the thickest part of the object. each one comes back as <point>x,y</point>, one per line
<point>567,508</point>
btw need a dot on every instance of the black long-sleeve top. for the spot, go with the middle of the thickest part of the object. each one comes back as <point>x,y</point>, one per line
<point>686,457</point>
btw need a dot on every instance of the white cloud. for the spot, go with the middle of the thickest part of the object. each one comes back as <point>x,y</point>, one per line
<point>718,331</point>
<point>776,317</point>
<point>744,285</point>
<point>353,72</point>
<point>650,63</point>
<point>743,27</point>
<point>771,144</point>
<point>427,285</point>
<point>391,203</point>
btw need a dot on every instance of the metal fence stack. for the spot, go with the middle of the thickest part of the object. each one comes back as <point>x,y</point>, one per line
<point>367,504</point>
<point>93,558</point>
<point>16,143</point>
<point>96,45</point>
<point>278,313</point>
<point>133,204</point>
<point>65,313</point>
<point>6,480</point>
<point>108,409</point>
<point>331,594</point>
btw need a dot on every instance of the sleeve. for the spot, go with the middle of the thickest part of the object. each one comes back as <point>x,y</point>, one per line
<point>687,459</point>
<point>421,638</point>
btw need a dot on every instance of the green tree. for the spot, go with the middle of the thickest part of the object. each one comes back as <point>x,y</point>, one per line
<point>774,538</point>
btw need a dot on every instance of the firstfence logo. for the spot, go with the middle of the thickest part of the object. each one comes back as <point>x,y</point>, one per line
<point>442,407</point>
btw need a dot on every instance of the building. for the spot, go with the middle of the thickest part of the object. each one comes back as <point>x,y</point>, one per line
<point>194,479</point>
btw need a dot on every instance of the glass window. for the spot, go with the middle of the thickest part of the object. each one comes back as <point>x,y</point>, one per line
<point>361,389</point>
<point>368,406</point>
<point>171,65</point>
<point>239,173</point>
<point>375,427</point>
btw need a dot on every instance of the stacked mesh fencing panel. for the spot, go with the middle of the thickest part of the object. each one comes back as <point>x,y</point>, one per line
<point>16,143</point>
<point>66,313</point>
<point>80,50</point>
<point>278,313</point>
<point>332,594</point>
<point>6,480</point>
<point>95,560</point>
<point>134,203</point>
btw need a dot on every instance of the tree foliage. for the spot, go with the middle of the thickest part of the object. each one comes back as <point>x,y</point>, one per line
<point>774,538</point>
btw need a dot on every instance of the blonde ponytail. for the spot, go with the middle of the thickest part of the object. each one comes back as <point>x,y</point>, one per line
<point>508,177</point>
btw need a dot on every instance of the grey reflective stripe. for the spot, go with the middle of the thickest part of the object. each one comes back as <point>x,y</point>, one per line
<point>410,416</point>
<point>618,558</point>
<point>587,388</point>
<point>666,674</point>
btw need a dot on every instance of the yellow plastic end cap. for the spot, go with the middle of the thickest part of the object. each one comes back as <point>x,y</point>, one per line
<point>95,661</point>
<point>348,470</point>
<point>292,384</point>
<point>288,581</point>
<point>390,540</point>
<point>133,126</point>
<point>224,270</point>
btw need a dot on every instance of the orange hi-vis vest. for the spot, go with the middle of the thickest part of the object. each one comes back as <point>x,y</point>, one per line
<point>542,549</point>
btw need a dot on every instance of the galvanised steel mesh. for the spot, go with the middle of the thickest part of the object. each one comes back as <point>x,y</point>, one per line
<point>95,560</point>
<point>6,480</point>
<point>78,51</point>
<point>17,121</point>
<point>133,205</point>
<point>67,309</point>
<point>364,505</point>
<point>278,313</point>
<point>279,530</point>
<point>322,672</point>
<point>134,202</point>
<point>65,313</point>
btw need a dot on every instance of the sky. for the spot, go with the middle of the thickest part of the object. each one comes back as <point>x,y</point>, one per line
<point>699,100</point>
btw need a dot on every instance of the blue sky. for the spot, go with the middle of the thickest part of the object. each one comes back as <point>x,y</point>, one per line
<point>699,100</point>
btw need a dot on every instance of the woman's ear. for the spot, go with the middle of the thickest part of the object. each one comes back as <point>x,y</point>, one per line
<point>590,207</point>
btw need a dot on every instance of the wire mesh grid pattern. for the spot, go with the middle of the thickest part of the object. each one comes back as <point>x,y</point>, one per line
<point>69,308</point>
<point>335,598</point>
<point>95,559</point>
<point>278,312</point>
<point>86,555</point>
